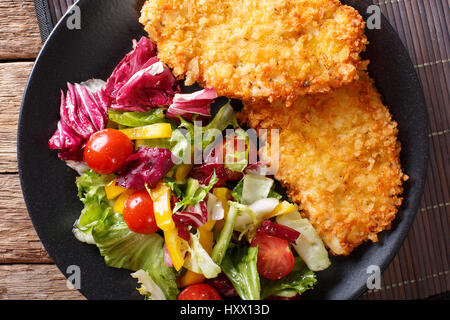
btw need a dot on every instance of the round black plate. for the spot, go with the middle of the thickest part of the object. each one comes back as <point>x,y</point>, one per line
<point>107,28</point>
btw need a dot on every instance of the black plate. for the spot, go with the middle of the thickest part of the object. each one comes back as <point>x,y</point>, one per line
<point>107,28</point>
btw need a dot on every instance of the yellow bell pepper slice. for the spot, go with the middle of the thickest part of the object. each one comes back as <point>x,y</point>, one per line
<point>161,206</point>
<point>173,244</point>
<point>282,208</point>
<point>139,143</point>
<point>218,226</point>
<point>182,171</point>
<point>113,191</point>
<point>223,194</point>
<point>209,225</point>
<point>153,131</point>
<point>120,202</point>
<point>169,174</point>
<point>206,240</point>
<point>190,278</point>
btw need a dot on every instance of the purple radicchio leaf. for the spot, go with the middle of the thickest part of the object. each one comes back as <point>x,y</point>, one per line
<point>141,81</point>
<point>182,230</point>
<point>145,166</point>
<point>191,104</point>
<point>194,216</point>
<point>278,230</point>
<point>82,114</point>
<point>167,260</point>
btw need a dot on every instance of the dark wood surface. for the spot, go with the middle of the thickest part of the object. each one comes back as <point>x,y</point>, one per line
<point>420,269</point>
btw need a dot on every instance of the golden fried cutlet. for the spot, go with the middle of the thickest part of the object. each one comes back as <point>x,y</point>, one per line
<point>253,49</point>
<point>339,159</point>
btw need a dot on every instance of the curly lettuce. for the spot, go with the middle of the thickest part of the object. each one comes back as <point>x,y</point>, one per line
<point>297,281</point>
<point>239,265</point>
<point>91,191</point>
<point>195,192</point>
<point>199,261</point>
<point>148,287</point>
<point>256,187</point>
<point>123,248</point>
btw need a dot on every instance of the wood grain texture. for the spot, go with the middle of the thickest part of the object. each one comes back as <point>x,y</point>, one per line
<point>35,282</point>
<point>13,78</point>
<point>19,242</point>
<point>420,269</point>
<point>20,37</point>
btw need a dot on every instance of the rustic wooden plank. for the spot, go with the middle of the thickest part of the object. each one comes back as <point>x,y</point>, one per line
<point>35,282</point>
<point>13,78</point>
<point>19,36</point>
<point>18,240</point>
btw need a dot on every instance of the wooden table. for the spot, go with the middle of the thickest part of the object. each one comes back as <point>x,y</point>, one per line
<point>27,272</point>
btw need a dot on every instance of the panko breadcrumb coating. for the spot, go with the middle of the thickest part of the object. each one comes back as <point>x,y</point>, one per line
<point>253,49</point>
<point>339,159</point>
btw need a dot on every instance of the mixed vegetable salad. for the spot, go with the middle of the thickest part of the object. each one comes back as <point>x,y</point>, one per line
<point>163,196</point>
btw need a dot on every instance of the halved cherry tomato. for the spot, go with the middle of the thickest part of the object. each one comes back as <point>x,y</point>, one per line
<point>138,213</point>
<point>275,258</point>
<point>199,291</point>
<point>107,150</point>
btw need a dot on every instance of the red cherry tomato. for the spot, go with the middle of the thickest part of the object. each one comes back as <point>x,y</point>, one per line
<point>200,291</point>
<point>107,150</point>
<point>275,258</point>
<point>138,213</point>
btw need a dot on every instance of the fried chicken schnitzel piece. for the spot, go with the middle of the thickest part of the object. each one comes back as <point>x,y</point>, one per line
<point>339,159</point>
<point>253,49</point>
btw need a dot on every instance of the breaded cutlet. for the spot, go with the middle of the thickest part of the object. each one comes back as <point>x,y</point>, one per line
<point>338,159</point>
<point>258,49</point>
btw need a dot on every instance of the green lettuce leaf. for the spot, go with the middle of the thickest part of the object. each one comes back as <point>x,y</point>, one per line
<point>254,189</point>
<point>224,117</point>
<point>175,186</point>
<point>194,192</point>
<point>238,160</point>
<point>189,128</point>
<point>180,146</point>
<point>223,241</point>
<point>123,248</point>
<point>298,281</point>
<point>137,119</point>
<point>309,245</point>
<point>236,193</point>
<point>148,287</point>
<point>251,217</point>
<point>274,194</point>
<point>91,191</point>
<point>239,265</point>
<point>199,261</point>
